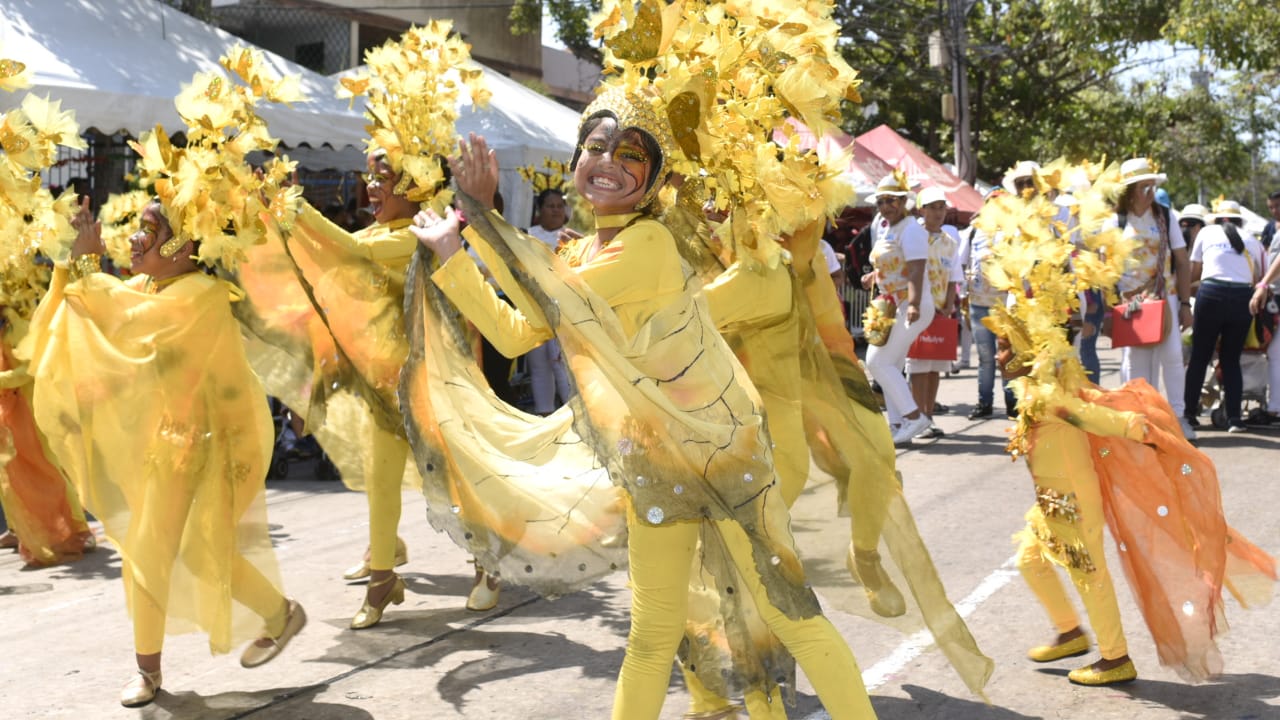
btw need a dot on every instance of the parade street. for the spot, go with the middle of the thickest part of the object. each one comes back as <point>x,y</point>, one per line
<point>67,646</point>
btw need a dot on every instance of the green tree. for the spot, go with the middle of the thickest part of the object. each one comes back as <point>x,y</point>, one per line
<point>571,16</point>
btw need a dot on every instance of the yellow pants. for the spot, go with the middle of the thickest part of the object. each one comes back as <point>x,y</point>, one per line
<point>382,485</point>
<point>161,516</point>
<point>660,558</point>
<point>1095,587</point>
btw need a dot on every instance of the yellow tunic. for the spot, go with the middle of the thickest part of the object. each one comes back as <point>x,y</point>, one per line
<point>150,407</point>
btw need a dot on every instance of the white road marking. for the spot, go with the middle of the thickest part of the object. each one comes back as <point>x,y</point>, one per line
<point>914,646</point>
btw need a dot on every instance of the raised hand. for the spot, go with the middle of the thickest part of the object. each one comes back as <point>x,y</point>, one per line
<point>475,170</point>
<point>437,234</point>
<point>88,232</point>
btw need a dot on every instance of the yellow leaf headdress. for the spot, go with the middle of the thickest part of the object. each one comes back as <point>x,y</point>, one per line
<point>554,176</point>
<point>119,216</point>
<point>208,191</point>
<point>1044,262</point>
<point>32,221</point>
<point>413,103</point>
<point>727,74</point>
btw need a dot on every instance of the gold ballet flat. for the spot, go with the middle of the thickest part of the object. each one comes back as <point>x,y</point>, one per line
<point>484,593</point>
<point>885,598</point>
<point>141,689</point>
<point>255,654</point>
<point>1119,674</point>
<point>729,712</point>
<point>361,570</point>
<point>371,615</point>
<point>1049,653</point>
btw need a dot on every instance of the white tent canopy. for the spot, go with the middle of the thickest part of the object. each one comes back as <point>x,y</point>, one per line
<point>120,63</point>
<point>520,125</point>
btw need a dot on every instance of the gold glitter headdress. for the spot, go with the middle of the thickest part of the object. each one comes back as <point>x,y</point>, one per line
<point>413,103</point>
<point>32,221</point>
<point>726,74</point>
<point>208,191</point>
<point>1044,260</point>
<point>640,109</point>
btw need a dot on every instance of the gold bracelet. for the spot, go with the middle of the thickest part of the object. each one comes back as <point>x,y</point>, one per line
<point>85,265</point>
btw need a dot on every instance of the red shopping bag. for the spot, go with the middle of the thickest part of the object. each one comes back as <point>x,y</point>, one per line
<point>938,341</point>
<point>1148,325</point>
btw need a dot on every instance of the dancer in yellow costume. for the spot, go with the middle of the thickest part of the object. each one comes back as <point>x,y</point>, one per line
<point>145,395</point>
<point>344,331</point>
<point>46,522</point>
<point>1107,457</point>
<point>163,429</point>
<point>662,397</point>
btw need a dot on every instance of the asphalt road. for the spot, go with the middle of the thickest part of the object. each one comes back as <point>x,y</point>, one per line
<point>65,643</point>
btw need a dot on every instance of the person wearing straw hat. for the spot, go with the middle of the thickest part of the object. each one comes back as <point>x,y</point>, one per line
<point>1158,269</point>
<point>943,272</point>
<point>899,253</point>
<point>1227,261</point>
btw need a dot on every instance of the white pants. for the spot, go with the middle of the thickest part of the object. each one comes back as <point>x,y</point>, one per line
<point>547,377</point>
<point>886,361</point>
<point>1273,367</point>
<point>1165,359</point>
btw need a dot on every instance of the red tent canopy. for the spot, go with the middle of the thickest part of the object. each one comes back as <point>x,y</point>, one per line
<point>923,171</point>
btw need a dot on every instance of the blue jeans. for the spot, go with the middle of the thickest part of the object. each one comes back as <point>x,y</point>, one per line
<point>1221,312</point>
<point>1094,314</point>
<point>986,342</point>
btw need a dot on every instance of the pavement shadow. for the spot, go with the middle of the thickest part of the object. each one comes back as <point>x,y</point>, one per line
<point>510,655</point>
<point>297,702</point>
<point>926,704</point>
<point>1237,696</point>
<point>101,564</point>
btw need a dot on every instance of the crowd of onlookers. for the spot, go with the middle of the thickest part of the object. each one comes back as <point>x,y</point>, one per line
<point>1218,354</point>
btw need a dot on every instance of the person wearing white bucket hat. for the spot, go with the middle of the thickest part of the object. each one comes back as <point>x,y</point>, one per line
<point>942,273</point>
<point>1227,261</point>
<point>899,253</point>
<point>1158,268</point>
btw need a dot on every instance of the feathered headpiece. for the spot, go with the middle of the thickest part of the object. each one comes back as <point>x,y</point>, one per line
<point>208,191</point>
<point>726,75</point>
<point>413,103</point>
<point>1044,259</point>
<point>31,220</point>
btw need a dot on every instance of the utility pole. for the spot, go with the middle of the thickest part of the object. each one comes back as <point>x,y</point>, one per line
<point>966,163</point>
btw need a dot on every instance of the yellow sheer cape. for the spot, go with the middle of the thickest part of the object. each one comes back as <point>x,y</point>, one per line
<point>666,409</point>
<point>808,358</point>
<point>324,326</point>
<point>149,405</point>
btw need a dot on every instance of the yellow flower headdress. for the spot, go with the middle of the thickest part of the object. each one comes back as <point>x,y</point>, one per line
<point>119,217</point>
<point>413,103</point>
<point>32,221</point>
<point>726,74</point>
<point>208,191</point>
<point>553,176</point>
<point>1044,262</point>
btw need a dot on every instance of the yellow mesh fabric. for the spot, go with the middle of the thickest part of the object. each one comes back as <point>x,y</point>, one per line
<point>149,404</point>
